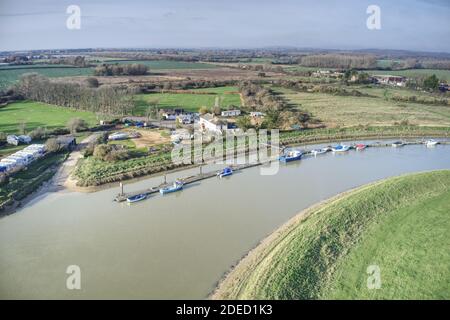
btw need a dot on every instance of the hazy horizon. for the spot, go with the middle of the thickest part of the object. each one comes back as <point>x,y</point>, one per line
<point>415,25</point>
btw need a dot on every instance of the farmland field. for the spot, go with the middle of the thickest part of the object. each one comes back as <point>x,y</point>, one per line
<point>166,64</point>
<point>36,114</point>
<point>399,225</point>
<point>9,75</point>
<point>336,110</point>
<point>187,101</point>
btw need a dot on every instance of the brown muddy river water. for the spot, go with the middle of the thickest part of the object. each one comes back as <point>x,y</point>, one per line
<point>178,245</point>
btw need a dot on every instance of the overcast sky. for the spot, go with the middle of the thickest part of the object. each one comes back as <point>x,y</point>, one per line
<point>340,24</point>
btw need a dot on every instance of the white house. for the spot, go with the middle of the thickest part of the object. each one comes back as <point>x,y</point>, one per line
<point>230,113</point>
<point>210,123</point>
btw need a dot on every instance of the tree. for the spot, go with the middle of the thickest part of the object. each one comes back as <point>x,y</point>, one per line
<point>431,83</point>
<point>92,82</point>
<point>76,124</point>
<point>244,122</point>
<point>203,110</point>
<point>22,127</point>
<point>52,145</point>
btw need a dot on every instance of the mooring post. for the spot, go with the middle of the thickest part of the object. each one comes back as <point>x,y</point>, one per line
<point>201,172</point>
<point>121,188</point>
<point>165,179</point>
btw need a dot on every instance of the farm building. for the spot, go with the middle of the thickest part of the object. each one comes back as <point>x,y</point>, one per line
<point>230,113</point>
<point>390,80</point>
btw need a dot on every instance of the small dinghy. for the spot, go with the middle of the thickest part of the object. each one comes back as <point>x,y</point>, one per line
<point>292,155</point>
<point>397,144</point>
<point>340,148</point>
<point>360,146</point>
<point>431,143</point>
<point>225,172</point>
<point>136,198</point>
<point>177,186</point>
<point>315,152</point>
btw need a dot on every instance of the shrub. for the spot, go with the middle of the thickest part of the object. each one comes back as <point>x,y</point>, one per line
<point>52,145</point>
<point>38,133</point>
<point>76,124</point>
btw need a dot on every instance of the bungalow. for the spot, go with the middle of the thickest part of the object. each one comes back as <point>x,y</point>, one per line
<point>230,113</point>
<point>257,114</point>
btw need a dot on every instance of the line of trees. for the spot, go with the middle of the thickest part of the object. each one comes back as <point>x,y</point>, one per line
<point>134,69</point>
<point>339,61</point>
<point>108,100</point>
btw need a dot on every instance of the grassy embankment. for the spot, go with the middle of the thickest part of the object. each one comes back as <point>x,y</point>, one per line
<point>400,224</point>
<point>27,181</point>
<point>36,114</point>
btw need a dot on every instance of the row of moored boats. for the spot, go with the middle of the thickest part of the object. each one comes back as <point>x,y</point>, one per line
<point>176,186</point>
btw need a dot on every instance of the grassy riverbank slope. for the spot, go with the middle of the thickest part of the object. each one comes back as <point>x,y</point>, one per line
<point>400,224</point>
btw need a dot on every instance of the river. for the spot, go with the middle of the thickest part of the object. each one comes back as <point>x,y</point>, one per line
<point>176,246</point>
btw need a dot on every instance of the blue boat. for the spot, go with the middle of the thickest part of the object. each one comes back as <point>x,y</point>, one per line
<point>225,172</point>
<point>340,148</point>
<point>292,155</point>
<point>177,186</point>
<point>136,198</point>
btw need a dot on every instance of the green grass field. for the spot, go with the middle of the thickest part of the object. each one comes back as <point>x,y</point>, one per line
<point>188,101</point>
<point>36,114</point>
<point>400,225</point>
<point>9,75</point>
<point>166,64</point>
<point>336,110</point>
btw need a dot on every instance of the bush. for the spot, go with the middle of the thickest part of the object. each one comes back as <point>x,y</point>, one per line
<point>38,133</point>
<point>110,153</point>
<point>76,124</point>
<point>52,145</point>
<point>92,82</point>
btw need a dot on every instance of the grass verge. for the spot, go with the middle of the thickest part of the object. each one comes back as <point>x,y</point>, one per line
<point>400,224</point>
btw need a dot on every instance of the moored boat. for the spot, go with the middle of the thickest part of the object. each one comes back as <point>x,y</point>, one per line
<point>360,146</point>
<point>315,152</point>
<point>225,172</point>
<point>292,155</point>
<point>397,144</point>
<point>177,186</point>
<point>340,148</point>
<point>136,198</point>
<point>431,143</point>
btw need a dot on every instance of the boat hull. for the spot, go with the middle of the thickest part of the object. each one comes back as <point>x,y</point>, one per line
<point>170,190</point>
<point>136,198</point>
<point>289,159</point>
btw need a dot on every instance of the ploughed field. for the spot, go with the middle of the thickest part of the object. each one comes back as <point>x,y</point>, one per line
<point>386,240</point>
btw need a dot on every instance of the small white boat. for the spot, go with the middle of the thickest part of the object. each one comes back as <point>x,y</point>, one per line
<point>136,198</point>
<point>177,186</point>
<point>225,172</point>
<point>315,152</point>
<point>431,143</point>
<point>340,148</point>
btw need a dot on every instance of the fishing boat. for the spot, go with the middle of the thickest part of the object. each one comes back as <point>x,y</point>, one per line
<point>315,152</point>
<point>431,143</point>
<point>177,186</point>
<point>136,198</point>
<point>340,148</point>
<point>360,146</point>
<point>225,172</point>
<point>292,155</point>
<point>397,144</point>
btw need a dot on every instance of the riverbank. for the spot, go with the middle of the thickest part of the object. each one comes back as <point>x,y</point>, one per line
<point>324,251</point>
<point>111,179</point>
